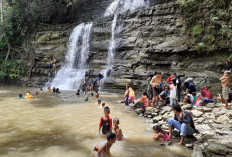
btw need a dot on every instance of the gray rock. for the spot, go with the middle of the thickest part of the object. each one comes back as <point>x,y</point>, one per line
<point>197,113</point>
<point>157,119</point>
<point>197,152</point>
<point>223,119</point>
<point>217,148</point>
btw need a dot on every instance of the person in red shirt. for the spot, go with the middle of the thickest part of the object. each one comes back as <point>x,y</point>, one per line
<point>169,80</point>
<point>105,122</point>
<point>145,100</point>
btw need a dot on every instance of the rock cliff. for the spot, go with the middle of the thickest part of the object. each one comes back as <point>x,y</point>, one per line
<point>148,39</point>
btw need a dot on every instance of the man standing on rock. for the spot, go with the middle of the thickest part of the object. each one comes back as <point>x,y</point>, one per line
<point>156,83</point>
<point>225,80</point>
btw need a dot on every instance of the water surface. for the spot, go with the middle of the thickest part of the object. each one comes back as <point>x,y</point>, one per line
<point>61,125</point>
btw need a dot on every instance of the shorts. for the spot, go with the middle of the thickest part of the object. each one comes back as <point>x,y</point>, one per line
<point>156,91</point>
<point>225,92</point>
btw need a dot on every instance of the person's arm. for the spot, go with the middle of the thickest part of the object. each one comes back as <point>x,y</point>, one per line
<point>157,136</point>
<point>110,119</point>
<point>100,125</point>
<point>160,97</point>
<point>153,84</point>
<point>222,78</point>
<point>100,150</point>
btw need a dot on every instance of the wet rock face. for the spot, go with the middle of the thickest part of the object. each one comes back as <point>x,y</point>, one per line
<point>148,39</point>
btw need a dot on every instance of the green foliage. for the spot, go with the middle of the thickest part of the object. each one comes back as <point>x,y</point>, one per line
<point>209,23</point>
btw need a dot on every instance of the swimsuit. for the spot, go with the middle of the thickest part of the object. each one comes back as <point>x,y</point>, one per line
<point>106,125</point>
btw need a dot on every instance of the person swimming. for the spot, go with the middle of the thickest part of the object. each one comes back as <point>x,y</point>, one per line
<point>28,95</point>
<point>21,96</point>
<point>49,90</point>
<point>103,148</point>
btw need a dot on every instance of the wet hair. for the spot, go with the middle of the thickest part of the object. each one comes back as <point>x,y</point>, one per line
<point>157,128</point>
<point>20,95</point>
<point>92,94</point>
<point>103,104</point>
<point>41,89</point>
<point>96,91</point>
<point>111,136</point>
<point>158,73</point>
<point>144,93</point>
<point>177,108</point>
<point>128,86</point>
<point>107,109</point>
<point>194,93</point>
<point>99,100</point>
<point>116,120</point>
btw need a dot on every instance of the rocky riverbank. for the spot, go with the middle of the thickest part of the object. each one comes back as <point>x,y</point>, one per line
<point>213,122</point>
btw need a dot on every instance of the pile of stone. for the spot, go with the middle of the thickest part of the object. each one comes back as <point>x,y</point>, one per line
<point>213,122</point>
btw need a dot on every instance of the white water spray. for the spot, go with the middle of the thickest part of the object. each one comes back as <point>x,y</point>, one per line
<point>72,73</point>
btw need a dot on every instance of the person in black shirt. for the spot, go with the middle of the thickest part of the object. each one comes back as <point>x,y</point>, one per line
<point>182,121</point>
<point>227,67</point>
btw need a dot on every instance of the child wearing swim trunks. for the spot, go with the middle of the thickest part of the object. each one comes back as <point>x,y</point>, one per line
<point>103,148</point>
<point>160,133</point>
<point>105,122</point>
<point>117,130</point>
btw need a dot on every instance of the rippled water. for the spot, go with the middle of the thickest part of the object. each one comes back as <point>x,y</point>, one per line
<point>61,125</point>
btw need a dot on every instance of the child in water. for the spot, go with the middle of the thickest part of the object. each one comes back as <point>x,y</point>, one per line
<point>96,94</point>
<point>103,105</point>
<point>21,96</point>
<point>105,122</point>
<point>117,130</point>
<point>104,147</point>
<point>41,90</point>
<point>99,102</point>
<point>78,92</point>
<point>159,133</point>
<point>49,90</point>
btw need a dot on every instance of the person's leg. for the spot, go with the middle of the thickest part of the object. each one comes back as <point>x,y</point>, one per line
<point>178,94</point>
<point>226,102</point>
<point>171,101</point>
<point>173,124</point>
<point>127,101</point>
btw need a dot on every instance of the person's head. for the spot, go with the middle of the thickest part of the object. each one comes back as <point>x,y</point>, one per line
<point>98,102</point>
<point>36,93</point>
<point>158,74</point>
<point>41,89</point>
<point>111,138</point>
<point>57,89</point>
<point>226,73</point>
<point>127,87</point>
<point>150,77</point>
<point>176,109</point>
<point>106,111</point>
<point>96,92</point>
<point>173,81</point>
<point>230,88</point>
<point>194,94</point>
<point>116,122</point>
<point>49,88</point>
<point>20,95</point>
<point>144,93</point>
<point>157,128</point>
<point>173,75</point>
<point>103,104</point>
<point>227,62</point>
<point>166,88</point>
<point>187,91</point>
<point>91,94</point>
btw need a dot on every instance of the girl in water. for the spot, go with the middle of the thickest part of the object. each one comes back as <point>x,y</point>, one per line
<point>159,133</point>
<point>117,130</point>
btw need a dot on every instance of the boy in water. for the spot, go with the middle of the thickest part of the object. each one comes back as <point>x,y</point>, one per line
<point>99,102</point>
<point>104,147</point>
<point>105,122</point>
<point>225,80</point>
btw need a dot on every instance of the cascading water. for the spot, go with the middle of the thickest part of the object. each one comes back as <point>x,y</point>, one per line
<point>117,7</point>
<point>71,74</point>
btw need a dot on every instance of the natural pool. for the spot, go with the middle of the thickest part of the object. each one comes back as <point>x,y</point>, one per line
<point>61,125</point>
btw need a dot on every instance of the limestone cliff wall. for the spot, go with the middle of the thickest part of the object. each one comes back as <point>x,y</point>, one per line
<point>149,39</point>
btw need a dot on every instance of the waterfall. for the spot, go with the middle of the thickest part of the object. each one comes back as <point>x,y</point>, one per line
<point>72,72</point>
<point>115,8</point>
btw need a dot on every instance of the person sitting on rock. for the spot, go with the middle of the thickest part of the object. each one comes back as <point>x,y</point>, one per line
<point>145,100</point>
<point>142,103</point>
<point>188,83</point>
<point>183,122</point>
<point>206,96</point>
<point>230,96</point>
<point>188,100</point>
<point>164,96</point>
<point>131,95</point>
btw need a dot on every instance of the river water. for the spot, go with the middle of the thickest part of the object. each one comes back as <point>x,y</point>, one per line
<point>61,125</point>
